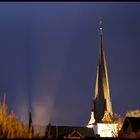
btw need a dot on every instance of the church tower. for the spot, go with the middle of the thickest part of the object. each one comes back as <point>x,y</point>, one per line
<point>101,107</point>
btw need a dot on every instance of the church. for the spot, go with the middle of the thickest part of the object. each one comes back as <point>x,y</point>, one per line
<point>101,113</point>
<point>100,123</point>
<point>102,106</point>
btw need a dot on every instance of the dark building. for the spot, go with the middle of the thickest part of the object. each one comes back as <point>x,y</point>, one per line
<point>53,131</point>
<point>130,128</point>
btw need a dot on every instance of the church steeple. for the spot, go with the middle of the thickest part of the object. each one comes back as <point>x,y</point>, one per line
<point>101,102</point>
<point>30,127</point>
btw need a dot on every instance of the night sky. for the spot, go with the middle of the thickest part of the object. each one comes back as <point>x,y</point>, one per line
<point>49,56</point>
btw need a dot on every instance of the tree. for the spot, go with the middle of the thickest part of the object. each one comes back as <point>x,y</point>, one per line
<point>117,119</point>
<point>10,126</point>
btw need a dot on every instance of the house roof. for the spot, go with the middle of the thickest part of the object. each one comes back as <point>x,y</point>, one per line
<point>73,134</point>
<point>133,121</point>
<point>59,131</point>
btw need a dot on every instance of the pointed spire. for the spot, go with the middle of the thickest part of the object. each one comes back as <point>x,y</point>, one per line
<point>30,119</point>
<point>101,100</point>
<point>31,129</point>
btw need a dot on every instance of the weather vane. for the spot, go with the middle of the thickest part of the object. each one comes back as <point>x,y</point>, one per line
<point>101,24</point>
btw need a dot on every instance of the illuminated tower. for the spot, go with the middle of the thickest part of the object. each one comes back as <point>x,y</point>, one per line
<point>102,107</point>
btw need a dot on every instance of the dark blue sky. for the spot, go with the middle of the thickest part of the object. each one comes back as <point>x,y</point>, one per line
<point>49,56</point>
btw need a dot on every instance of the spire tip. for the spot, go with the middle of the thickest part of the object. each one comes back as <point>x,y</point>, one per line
<point>101,24</point>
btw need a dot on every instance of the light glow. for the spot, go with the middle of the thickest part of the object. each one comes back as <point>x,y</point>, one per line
<point>91,121</point>
<point>105,130</point>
